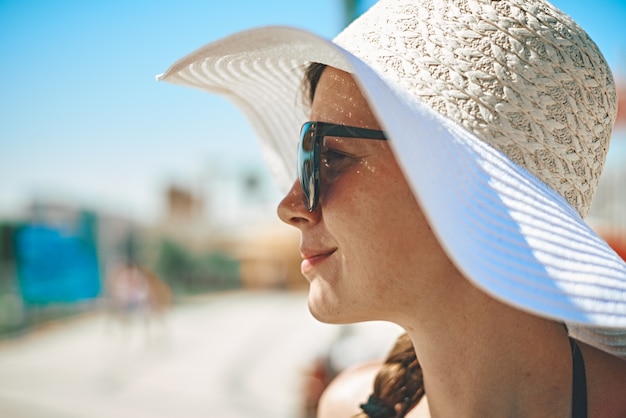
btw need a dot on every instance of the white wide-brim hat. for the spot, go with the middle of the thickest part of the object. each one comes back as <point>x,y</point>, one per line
<point>514,237</point>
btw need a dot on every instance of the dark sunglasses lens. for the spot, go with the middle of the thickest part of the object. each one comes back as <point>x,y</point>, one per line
<point>306,165</point>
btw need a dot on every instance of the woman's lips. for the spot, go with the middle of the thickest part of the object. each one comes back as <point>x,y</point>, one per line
<point>310,260</point>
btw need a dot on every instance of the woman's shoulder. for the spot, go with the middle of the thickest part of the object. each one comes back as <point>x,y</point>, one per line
<point>348,390</point>
<point>351,388</point>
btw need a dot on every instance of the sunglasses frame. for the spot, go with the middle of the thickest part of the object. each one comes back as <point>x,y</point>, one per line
<point>312,135</point>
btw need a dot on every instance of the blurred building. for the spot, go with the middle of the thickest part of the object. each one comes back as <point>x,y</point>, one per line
<point>230,219</point>
<point>183,205</point>
<point>53,261</point>
<point>270,258</point>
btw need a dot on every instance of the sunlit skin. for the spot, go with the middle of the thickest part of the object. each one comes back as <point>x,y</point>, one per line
<point>368,226</point>
<point>369,254</point>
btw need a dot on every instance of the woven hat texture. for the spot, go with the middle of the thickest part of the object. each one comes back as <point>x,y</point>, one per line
<point>520,74</point>
<point>500,115</point>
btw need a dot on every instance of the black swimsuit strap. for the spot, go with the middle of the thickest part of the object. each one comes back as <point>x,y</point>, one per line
<point>579,382</point>
<point>579,388</point>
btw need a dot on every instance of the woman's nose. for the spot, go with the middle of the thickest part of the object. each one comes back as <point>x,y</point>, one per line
<point>292,211</point>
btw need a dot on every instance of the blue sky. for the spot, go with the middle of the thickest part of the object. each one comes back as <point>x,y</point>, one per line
<point>83,121</point>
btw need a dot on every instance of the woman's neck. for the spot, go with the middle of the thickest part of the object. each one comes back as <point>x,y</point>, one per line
<point>492,360</point>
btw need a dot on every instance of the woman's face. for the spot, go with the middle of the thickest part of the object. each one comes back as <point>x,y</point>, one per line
<point>367,249</point>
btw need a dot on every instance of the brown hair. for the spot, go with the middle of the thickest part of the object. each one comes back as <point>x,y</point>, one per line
<point>399,384</point>
<point>312,75</point>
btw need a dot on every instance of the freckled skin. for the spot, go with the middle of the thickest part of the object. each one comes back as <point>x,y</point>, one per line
<point>386,255</point>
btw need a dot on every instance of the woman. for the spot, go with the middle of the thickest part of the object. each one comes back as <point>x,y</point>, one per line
<point>452,149</point>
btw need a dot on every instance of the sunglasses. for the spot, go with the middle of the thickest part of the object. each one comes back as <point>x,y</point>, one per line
<point>309,150</point>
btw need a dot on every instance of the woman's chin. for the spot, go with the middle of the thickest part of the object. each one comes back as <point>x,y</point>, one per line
<point>324,306</point>
<point>327,307</point>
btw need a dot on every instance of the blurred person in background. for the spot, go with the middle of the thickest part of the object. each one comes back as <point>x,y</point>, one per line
<point>135,296</point>
<point>448,152</point>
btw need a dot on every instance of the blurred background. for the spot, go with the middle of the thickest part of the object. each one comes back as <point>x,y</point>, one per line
<point>143,271</point>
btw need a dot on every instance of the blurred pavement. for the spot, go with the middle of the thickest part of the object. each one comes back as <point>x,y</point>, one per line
<point>235,355</point>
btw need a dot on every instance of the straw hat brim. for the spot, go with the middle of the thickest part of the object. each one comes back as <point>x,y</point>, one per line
<point>510,234</point>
